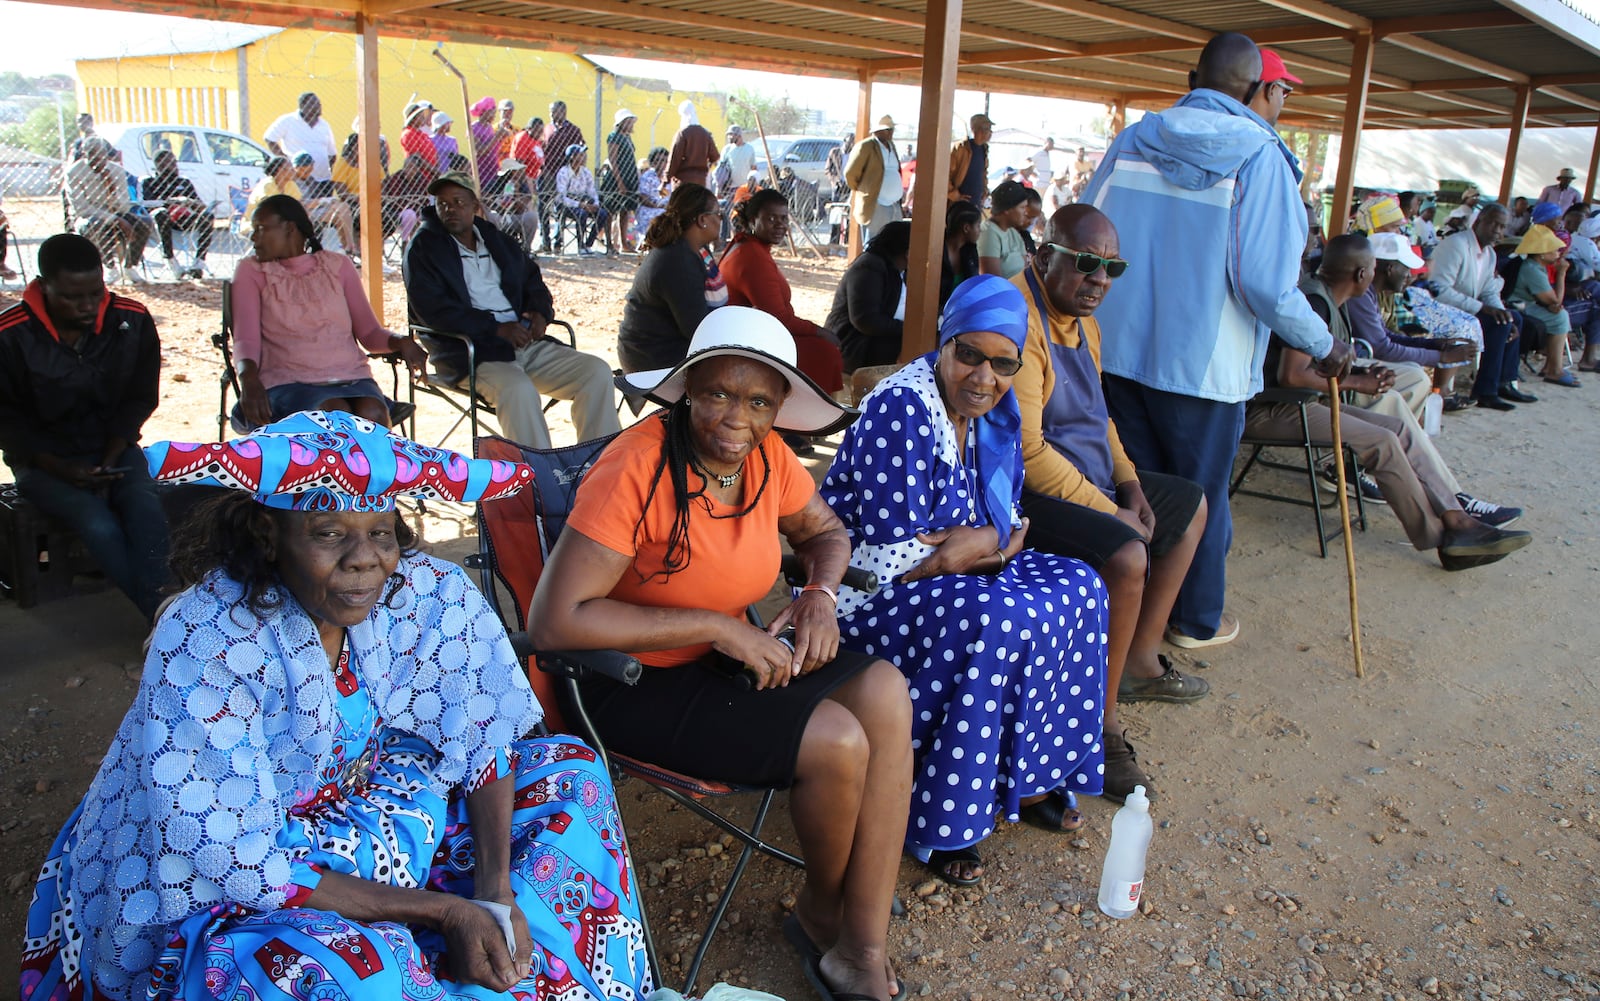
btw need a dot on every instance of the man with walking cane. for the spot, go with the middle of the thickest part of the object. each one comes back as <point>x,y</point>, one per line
<point>1212,176</point>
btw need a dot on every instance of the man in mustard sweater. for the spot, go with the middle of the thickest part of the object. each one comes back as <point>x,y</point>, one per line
<point>1082,495</point>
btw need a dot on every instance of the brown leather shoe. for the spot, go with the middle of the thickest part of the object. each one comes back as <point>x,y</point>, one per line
<point>1122,770</point>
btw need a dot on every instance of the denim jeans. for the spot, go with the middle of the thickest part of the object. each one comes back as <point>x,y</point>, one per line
<point>1197,440</point>
<point>122,525</point>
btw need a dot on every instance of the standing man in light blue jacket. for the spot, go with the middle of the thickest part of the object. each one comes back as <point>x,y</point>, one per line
<point>1206,199</point>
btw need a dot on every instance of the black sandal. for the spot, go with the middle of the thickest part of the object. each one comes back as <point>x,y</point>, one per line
<point>940,862</point>
<point>1051,813</point>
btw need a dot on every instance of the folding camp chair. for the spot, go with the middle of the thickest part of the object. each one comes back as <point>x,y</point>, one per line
<point>399,410</point>
<point>460,391</point>
<point>515,538</point>
<point>1312,453</point>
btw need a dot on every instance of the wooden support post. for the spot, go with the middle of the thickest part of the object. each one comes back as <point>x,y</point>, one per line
<point>1119,117</point>
<point>1355,114</point>
<point>370,161</point>
<point>1594,166</point>
<point>940,44</point>
<point>863,134</point>
<point>1519,120</point>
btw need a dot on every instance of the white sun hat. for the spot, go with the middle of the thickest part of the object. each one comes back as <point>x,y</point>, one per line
<point>749,333</point>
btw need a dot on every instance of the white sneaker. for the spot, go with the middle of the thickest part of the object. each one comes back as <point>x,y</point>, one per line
<point>199,270</point>
<point>178,273</point>
<point>133,276</point>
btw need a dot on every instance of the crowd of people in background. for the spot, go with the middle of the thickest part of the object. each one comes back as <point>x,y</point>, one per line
<point>1044,495</point>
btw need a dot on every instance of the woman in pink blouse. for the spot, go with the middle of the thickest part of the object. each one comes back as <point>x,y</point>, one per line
<point>302,326</point>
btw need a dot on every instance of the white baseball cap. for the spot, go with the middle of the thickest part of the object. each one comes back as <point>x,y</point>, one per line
<point>1393,247</point>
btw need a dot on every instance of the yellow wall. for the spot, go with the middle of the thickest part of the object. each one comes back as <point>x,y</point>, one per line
<point>203,88</point>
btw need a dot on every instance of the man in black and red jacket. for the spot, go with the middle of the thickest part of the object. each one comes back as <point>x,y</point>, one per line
<point>79,375</point>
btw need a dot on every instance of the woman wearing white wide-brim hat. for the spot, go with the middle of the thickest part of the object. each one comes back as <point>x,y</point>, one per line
<point>675,530</point>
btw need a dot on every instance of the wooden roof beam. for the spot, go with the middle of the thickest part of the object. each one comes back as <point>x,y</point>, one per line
<point>1034,53</point>
<point>1327,13</point>
<point>1566,80</point>
<point>575,38</point>
<point>384,8</point>
<point>1443,53</point>
<point>756,29</point>
<point>1494,109</point>
<point>865,11</point>
<point>1462,83</point>
<point>1433,23</point>
<point>1124,18</point>
<point>1339,69</point>
<point>1562,94</point>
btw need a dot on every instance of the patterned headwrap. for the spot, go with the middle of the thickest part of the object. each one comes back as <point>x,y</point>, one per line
<point>1545,213</point>
<point>1380,211</point>
<point>986,302</point>
<point>334,461</point>
<point>990,303</point>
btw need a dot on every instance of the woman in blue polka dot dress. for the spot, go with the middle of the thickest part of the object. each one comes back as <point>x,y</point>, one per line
<point>1004,647</point>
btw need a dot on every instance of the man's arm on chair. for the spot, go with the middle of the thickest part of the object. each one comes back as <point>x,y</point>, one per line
<point>1296,370</point>
<point>538,305</point>
<point>434,299</point>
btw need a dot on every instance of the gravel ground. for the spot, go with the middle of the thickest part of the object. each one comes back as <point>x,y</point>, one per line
<point>1430,831</point>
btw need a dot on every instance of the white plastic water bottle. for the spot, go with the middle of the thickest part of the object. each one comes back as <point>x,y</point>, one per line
<point>1122,879</point>
<point>1432,409</point>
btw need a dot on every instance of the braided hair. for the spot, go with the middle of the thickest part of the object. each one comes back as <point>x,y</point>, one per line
<point>677,459</point>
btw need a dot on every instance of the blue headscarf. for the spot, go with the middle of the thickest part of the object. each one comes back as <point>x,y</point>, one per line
<point>1545,213</point>
<point>992,304</point>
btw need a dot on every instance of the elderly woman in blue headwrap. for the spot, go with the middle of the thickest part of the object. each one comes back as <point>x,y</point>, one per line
<point>1004,647</point>
<point>323,787</point>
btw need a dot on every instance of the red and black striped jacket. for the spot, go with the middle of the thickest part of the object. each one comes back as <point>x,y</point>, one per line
<point>72,401</point>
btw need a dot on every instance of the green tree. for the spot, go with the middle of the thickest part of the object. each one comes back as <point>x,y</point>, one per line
<point>779,116</point>
<point>41,132</point>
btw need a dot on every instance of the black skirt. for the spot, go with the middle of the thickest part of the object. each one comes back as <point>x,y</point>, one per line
<point>696,720</point>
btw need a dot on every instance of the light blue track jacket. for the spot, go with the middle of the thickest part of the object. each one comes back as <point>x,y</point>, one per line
<point>1206,201</point>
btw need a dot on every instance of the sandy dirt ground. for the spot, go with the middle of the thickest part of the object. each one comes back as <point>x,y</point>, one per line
<point>1430,831</point>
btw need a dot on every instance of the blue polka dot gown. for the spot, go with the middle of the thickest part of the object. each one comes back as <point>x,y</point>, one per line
<point>1007,671</point>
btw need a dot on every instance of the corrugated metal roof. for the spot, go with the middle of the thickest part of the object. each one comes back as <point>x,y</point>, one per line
<point>1437,62</point>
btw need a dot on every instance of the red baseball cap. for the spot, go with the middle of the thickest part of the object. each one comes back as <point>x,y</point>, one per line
<point>1273,70</point>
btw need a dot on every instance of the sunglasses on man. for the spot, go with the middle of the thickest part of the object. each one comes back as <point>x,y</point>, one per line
<point>1088,264</point>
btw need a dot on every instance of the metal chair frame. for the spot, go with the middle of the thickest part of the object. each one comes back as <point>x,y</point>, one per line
<point>467,402</point>
<point>1312,453</point>
<point>542,511</point>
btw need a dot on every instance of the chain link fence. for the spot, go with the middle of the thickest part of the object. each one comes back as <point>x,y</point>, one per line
<point>210,97</point>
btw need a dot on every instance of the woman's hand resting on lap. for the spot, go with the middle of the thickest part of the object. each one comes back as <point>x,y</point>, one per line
<point>477,947</point>
<point>964,549</point>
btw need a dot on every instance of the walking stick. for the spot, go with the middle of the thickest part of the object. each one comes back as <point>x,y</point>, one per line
<point>772,175</point>
<point>1344,520</point>
<point>466,115</point>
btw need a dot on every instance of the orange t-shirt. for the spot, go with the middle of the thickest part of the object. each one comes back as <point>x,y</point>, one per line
<point>732,561</point>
